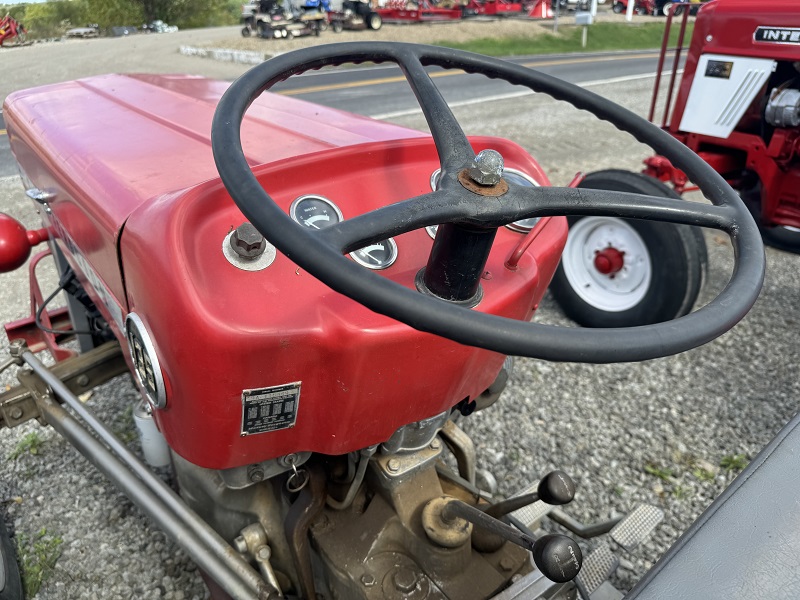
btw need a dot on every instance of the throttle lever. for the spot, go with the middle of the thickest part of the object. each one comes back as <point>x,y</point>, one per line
<point>555,488</point>
<point>558,557</point>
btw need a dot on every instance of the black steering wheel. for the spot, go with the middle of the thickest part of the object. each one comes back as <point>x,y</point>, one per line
<point>321,252</point>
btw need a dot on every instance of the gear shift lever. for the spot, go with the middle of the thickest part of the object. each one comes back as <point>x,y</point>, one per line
<point>558,557</point>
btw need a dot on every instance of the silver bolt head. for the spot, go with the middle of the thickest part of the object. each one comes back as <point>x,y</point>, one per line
<point>247,242</point>
<point>393,465</point>
<point>263,553</point>
<point>405,580</point>
<point>255,474</point>
<point>16,412</point>
<point>368,580</point>
<point>16,348</point>
<point>487,168</point>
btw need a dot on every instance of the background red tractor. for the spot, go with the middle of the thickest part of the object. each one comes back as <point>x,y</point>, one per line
<point>745,55</point>
<point>11,29</point>
<point>738,107</point>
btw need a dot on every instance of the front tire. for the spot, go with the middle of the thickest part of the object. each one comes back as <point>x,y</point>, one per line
<point>628,272</point>
<point>374,21</point>
<point>666,8</point>
<point>618,8</point>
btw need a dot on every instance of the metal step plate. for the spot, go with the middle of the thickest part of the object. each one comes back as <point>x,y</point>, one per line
<point>531,514</point>
<point>597,568</point>
<point>637,526</point>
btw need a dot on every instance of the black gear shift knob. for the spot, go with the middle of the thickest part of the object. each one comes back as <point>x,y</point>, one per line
<point>558,557</point>
<point>556,488</point>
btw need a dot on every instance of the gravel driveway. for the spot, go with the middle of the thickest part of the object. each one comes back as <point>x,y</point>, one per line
<point>652,432</point>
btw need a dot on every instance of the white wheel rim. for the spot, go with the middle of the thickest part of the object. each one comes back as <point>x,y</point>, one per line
<point>615,292</point>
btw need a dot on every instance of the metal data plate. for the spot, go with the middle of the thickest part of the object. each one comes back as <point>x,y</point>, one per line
<point>270,408</point>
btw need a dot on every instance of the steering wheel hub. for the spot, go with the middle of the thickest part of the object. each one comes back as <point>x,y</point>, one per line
<point>466,179</point>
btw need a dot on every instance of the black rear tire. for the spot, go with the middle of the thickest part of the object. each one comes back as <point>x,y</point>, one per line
<point>782,238</point>
<point>670,282</point>
<point>12,586</point>
<point>337,26</point>
<point>618,8</point>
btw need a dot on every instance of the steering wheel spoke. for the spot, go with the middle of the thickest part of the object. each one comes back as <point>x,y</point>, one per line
<point>549,201</point>
<point>432,208</point>
<point>451,142</point>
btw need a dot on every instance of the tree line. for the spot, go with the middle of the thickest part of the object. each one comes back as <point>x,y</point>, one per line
<point>53,18</point>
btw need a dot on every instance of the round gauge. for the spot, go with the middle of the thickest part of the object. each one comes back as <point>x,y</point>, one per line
<point>512,176</point>
<point>377,256</point>
<point>316,212</point>
<point>521,179</point>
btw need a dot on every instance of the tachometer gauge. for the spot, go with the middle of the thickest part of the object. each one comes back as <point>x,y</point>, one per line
<point>377,256</point>
<point>510,175</point>
<point>316,212</point>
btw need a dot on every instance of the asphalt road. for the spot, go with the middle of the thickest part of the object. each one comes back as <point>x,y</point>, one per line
<point>611,427</point>
<point>381,91</point>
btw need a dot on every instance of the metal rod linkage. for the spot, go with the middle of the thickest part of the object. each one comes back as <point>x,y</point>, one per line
<point>212,553</point>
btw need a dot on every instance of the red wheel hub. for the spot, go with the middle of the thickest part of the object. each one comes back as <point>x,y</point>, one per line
<point>609,261</point>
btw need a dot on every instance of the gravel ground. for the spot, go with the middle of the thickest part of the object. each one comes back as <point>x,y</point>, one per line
<point>606,425</point>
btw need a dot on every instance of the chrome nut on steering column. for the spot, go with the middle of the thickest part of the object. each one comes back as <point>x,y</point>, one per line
<point>487,168</point>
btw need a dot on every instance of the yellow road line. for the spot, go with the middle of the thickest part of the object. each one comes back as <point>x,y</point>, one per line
<point>382,80</point>
<point>3,132</point>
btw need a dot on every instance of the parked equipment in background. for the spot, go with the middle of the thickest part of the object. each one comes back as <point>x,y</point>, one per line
<point>355,15</point>
<point>401,11</point>
<point>11,29</point>
<point>270,19</point>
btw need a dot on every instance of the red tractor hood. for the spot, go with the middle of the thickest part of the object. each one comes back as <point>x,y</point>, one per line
<point>107,144</point>
<point>135,204</point>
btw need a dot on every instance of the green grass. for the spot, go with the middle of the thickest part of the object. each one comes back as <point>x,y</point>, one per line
<point>124,427</point>
<point>681,492</point>
<point>602,37</point>
<point>703,474</point>
<point>734,462</point>
<point>30,443</point>
<point>660,472</point>
<point>37,559</point>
